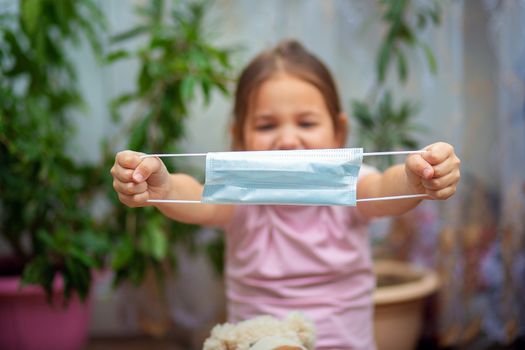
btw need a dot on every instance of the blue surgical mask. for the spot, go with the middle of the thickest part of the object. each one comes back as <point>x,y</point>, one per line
<point>306,177</point>
<point>301,177</point>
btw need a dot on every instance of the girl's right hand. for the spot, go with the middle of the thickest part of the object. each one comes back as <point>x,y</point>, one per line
<point>138,179</point>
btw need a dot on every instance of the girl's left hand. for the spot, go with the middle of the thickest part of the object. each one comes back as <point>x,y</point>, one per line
<point>434,172</point>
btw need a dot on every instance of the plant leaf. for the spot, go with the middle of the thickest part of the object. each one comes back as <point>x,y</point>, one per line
<point>402,66</point>
<point>187,88</point>
<point>431,60</point>
<point>383,61</point>
<point>129,34</point>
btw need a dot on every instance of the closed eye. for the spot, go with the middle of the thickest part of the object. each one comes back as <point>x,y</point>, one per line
<point>264,127</point>
<point>307,125</point>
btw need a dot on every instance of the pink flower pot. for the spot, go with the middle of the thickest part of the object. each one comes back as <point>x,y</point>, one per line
<point>27,321</point>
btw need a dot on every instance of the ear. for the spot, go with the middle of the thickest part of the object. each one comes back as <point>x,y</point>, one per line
<point>342,127</point>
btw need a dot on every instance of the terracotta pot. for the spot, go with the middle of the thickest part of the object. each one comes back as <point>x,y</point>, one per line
<point>399,300</point>
<point>27,321</point>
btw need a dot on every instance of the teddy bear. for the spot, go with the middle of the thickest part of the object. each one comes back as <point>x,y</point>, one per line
<point>294,332</point>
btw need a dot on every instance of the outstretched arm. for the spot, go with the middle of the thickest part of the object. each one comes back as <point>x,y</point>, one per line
<point>183,186</point>
<point>137,180</point>
<point>435,172</point>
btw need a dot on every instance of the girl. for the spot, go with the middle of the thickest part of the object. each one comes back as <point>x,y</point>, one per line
<point>315,259</point>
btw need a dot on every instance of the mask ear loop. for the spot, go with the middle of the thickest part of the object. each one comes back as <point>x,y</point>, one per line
<point>369,154</point>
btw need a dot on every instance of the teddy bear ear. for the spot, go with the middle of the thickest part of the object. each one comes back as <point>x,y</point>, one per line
<point>303,327</point>
<point>220,338</point>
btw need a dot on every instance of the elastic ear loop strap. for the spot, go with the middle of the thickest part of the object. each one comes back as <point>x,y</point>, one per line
<point>183,201</point>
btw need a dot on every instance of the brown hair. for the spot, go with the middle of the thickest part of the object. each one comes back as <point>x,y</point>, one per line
<point>291,57</point>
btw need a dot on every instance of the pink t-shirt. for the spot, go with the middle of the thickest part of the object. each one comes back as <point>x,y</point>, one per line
<point>312,259</point>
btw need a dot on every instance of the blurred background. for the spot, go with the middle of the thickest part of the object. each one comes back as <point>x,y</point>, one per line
<point>81,80</point>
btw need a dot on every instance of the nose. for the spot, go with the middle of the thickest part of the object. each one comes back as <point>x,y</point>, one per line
<point>288,139</point>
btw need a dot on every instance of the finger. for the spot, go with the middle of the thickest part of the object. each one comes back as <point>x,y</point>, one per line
<point>437,153</point>
<point>438,183</point>
<point>129,159</point>
<point>133,201</point>
<point>419,166</point>
<point>147,167</point>
<point>449,165</point>
<point>121,174</point>
<point>443,193</point>
<point>129,188</point>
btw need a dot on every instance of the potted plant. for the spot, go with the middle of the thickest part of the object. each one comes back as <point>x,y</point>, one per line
<point>401,286</point>
<point>45,195</point>
<point>44,192</point>
<point>179,66</point>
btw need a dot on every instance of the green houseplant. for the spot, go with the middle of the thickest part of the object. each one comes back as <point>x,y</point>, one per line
<point>178,67</point>
<point>44,193</point>
<point>383,126</point>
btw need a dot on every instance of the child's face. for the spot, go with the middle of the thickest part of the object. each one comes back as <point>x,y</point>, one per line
<point>289,113</point>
